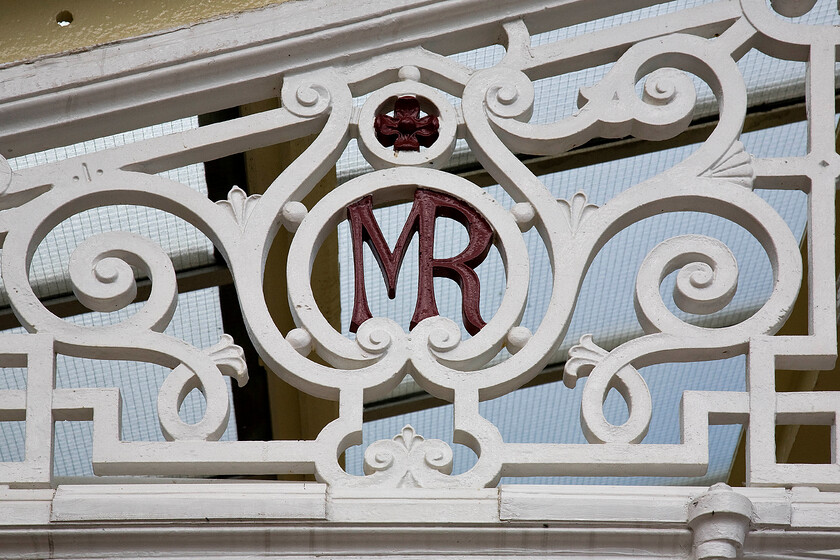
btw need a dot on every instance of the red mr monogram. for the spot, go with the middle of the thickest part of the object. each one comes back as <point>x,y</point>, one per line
<point>428,205</point>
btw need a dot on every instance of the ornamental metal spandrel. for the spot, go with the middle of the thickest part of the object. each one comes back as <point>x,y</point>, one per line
<point>409,153</point>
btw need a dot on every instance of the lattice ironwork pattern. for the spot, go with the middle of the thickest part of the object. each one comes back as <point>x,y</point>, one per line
<point>407,128</point>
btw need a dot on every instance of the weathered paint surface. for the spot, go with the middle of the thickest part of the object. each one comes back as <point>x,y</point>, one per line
<point>31,29</point>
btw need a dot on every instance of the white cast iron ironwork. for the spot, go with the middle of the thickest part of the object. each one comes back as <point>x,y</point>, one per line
<point>718,178</point>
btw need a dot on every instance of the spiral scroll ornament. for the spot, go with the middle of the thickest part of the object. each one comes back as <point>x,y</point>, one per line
<point>306,98</point>
<point>103,279</point>
<point>706,282</point>
<point>511,96</point>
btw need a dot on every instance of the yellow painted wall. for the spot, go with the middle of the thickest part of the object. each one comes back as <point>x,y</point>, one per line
<point>28,28</point>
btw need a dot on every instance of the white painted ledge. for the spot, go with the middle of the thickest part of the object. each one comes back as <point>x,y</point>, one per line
<point>24,507</point>
<point>801,507</point>
<point>251,501</point>
<point>246,519</point>
<point>413,505</point>
<point>644,504</point>
<point>811,508</point>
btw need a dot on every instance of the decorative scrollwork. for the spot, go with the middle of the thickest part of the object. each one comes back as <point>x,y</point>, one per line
<point>494,118</point>
<point>706,282</point>
<point>584,357</point>
<point>511,96</point>
<point>671,87</point>
<point>228,359</point>
<point>306,98</point>
<point>408,459</point>
<point>103,280</point>
<point>376,334</point>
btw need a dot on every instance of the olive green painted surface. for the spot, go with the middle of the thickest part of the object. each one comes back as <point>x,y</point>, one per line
<point>29,29</point>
